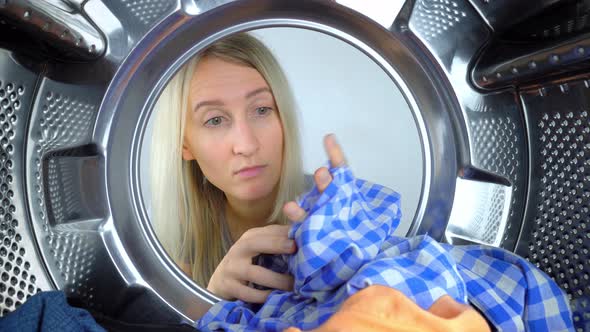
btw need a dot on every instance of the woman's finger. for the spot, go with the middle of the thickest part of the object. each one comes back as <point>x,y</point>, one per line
<point>334,151</point>
<point>275,245</point>
<point>322,178</point>
<point>265,277</point>
<point>249,294</point>
<point>294,212</point>
<point>268,230</point>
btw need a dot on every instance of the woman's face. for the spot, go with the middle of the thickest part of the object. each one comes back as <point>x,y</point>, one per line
<point>233,129</point>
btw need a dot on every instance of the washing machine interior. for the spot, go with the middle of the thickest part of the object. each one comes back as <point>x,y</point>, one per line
<point>500,103</point>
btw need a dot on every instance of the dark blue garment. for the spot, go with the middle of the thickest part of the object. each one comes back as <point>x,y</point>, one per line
<point>49,311</point>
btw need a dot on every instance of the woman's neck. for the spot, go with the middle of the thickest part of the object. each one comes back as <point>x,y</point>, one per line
<point>243,215</point>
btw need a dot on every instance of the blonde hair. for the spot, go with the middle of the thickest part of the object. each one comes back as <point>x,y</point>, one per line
<point>187,211</point>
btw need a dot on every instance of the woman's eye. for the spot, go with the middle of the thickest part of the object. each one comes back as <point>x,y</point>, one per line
<point>216,121</point>
<point>263,110</point>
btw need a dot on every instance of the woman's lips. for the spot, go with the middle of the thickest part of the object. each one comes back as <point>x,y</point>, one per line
<point>250,172</point>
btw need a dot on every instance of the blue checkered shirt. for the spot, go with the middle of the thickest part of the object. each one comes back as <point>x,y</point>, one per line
<point>346,243</point>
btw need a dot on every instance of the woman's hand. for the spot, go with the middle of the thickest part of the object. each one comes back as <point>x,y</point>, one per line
<point>231,277</point>
<point>322,176</point>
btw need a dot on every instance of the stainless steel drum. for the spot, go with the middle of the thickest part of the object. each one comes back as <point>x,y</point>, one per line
<point>501,100</point>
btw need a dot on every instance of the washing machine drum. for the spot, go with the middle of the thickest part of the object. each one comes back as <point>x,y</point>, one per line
<point>500,102</point>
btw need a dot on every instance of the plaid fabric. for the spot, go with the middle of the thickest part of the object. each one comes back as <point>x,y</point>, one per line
<point>346,243</point>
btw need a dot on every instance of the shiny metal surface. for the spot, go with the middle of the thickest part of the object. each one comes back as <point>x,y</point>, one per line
<point>59,24</point>
<point>22,272</point>
<point>564,20</point>
<point>71,209</point>
<point>556,231</point>
<point>488,125</point>
<point>61,121</point>
<point>500,14</point>
<point>64,192</point>
<point>505,64</point>
<point>480,211</point>
<point>498,145</point>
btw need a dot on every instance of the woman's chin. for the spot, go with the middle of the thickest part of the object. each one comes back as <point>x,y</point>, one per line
<point>253,193</point>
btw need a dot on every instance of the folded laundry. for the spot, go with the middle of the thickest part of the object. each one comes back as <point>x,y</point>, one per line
<point>346,244</point>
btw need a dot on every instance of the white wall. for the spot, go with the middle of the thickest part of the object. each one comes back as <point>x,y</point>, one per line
<point>340,90</point>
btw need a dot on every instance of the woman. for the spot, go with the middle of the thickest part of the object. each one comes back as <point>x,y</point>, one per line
<point>226,164</point>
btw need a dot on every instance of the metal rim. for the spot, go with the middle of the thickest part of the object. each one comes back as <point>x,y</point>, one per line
<point>127,234</point>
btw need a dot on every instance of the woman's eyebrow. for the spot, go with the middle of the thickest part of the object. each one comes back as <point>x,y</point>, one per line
<point>220,103</point>
<point>257,91</point>
<point>208,103</point>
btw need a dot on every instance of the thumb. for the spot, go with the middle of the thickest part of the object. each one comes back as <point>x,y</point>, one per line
<point>294,212</point>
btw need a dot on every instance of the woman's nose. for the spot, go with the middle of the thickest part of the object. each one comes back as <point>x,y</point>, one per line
<point>245,139</point>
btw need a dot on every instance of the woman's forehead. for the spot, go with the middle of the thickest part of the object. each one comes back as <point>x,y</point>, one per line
<point>217,78</point>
